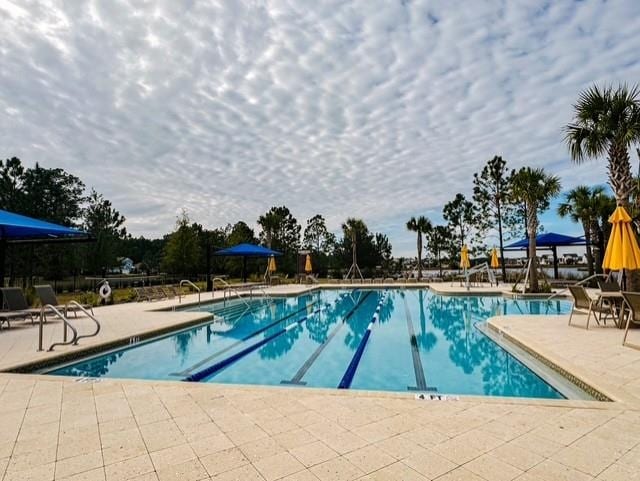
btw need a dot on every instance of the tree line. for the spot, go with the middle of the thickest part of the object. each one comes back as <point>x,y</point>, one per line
<point>57,196</point>
<point>509,202</point>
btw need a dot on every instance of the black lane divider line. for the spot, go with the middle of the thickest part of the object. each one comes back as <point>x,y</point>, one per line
<point>347,378</point>
<point>218,366</point>
<point>189,370</point>
<point>421,383</point>
<point>297,378</point>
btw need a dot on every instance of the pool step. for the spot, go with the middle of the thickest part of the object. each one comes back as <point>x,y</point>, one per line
<point>232,313</point>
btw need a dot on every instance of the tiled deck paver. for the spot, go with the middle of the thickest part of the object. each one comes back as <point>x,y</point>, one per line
<point>57,428</point>
<point>595,355</point>
<point>604,442</point>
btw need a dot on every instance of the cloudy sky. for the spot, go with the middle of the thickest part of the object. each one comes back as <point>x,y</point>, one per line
<point>373,109</point>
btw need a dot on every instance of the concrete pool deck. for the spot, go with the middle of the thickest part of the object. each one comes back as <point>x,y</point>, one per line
<point>66,428</point>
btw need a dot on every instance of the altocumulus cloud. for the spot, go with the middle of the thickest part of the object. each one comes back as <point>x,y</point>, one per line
<point>376,109</point>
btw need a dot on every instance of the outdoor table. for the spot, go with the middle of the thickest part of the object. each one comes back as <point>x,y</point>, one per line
<point>614,299</point>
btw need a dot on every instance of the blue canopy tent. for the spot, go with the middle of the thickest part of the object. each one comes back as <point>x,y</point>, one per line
<point>245,251</point>
<point>16,228</point>
<point>551,241</point>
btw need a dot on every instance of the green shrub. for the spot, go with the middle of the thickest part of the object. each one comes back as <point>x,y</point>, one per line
<point>88,297</point>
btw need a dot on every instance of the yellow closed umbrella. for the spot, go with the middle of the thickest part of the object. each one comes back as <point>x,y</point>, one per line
<point>622,249</point>
<point>465,263</point>
<point>307,264</point>
<point>272,264</point>
<point>495,262</point>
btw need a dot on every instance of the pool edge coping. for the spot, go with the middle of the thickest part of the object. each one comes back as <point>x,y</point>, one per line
<point>88,351</point>
<point>605,394</point>
<point>447,398</point>
<point>600,395</point>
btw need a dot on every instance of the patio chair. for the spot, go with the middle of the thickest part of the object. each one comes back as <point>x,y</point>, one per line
<point>141,294</point>
<point>609,286</point>
<point>162,293</point>
<point>615,303</point>
<point>583,302</point>
<point>47,296</point>
<point>153,293</point>
<point>16,305</point>
<point>169,292</point>
<point>632,302</point>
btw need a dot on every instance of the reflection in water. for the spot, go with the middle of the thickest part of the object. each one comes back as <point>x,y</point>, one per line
<point>280,345</point>
<point>424,339</point>
<point>454,354</point>
<point>470,350</point>
<point>97,367</point>
<point>182,341</point>
<point>454,317</point>
<point>318,326</point>
<point>359,321</point>
<point>313,310</point>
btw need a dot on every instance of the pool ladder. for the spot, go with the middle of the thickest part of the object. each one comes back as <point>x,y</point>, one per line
<point>190,284</point>
<point>66,325</point>
<point>228,288</point>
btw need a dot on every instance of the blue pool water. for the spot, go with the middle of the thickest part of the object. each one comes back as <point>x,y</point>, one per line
<point>418,341</point>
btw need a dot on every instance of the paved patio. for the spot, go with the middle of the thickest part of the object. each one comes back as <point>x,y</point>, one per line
<point>59,428</point>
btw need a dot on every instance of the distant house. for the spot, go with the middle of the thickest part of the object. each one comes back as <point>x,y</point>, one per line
<point>570,258</point>
<point>126,265</point>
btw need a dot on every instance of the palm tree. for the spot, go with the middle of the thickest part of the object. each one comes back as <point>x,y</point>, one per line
<point>421,225</point>
<point>607,122</point>
<point>535,188</point>
<point>605,205</point>
<point>581,204</point>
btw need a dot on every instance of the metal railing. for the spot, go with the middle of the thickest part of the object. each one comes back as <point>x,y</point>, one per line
<point>227,287</point>
<point>576,284</point>
<point>79,307</point>
<point>265,296</point>
<point>189,283</point>
<point>66,324</point>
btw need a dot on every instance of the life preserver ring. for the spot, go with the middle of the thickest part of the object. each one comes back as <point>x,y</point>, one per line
<point>105,291</point>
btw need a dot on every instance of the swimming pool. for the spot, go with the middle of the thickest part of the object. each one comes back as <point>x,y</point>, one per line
<point>374,339</point>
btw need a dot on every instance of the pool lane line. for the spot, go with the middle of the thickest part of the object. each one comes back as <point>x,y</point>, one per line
<point>218,366</point>
<point>347,378</point>
<point>192,368</point>
<point>297,378</point>
<point>421,382</point>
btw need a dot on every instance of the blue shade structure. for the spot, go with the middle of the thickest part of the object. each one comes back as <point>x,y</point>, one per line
<point>245,251</point>
<point>551,241</point>
<point>16,228</point>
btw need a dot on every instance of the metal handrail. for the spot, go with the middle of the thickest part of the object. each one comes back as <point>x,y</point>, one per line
<point>89,315</point>
<point>67,324</point>
<point>188,282</point>
<point>228,287</point>
<point>264,293</point>
<point>577,284</point>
